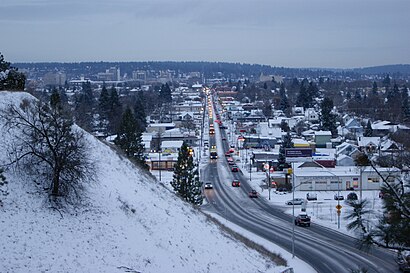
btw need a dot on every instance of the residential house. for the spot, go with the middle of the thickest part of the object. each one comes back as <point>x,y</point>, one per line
<point>171,146</point>
<point>346,154</point>
<point>322,138</point>
<point>353,127</point>
<point>176,134</point>
<point>369,144</point>
<point>311,115</point>
<point>159,127</point>
<point>383,128</point>
<point>259,158</point>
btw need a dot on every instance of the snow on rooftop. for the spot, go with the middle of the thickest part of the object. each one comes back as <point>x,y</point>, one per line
<point>323,133</point>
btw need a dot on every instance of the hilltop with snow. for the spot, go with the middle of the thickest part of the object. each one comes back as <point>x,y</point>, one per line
<point>130,223</point>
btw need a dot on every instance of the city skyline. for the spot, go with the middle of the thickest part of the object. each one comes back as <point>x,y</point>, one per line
<point>296,33</point>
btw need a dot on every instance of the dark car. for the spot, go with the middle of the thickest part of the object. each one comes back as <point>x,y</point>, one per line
<point>253,194</point>
<point>236,183</point>
<point>223,138</point>
<point>302,220</point>
<point>351,196</point>
<point>338,197</point>
<point>235,169</point>
<point>208,186</point>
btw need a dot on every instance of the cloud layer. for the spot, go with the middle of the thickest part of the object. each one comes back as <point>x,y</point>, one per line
<point>295,33</point>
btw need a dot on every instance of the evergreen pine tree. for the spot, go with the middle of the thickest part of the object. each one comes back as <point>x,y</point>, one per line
<point>104,106</point>
<point>129,137</point>
<point>368,132</point>
<point>88,96</point>
<point>284,102</point>
<point>374,88</point>
<point>405,109</point>
<point>10,78</point>
<point>55,100</point>
<point>104,102</point>
<point>84,107</point>
<point>186,181</point>
<point>306,94</point>
<point>139,110</point>
<point>115,111</point>
<point>386,83</point>
<point>327,118</point>
<point>286,143</point>
<point>165,94</point>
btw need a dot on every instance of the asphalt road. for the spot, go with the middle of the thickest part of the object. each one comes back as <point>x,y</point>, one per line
<point>324,249</point>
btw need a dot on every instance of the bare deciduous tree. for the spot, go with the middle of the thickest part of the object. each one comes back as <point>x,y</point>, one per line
<point>48,144</point>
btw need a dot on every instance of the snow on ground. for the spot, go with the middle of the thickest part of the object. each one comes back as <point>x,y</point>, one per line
<point>322,211</point>
<point>130,222</point>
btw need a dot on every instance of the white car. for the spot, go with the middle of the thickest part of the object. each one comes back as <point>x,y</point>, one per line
<point>296,201</point>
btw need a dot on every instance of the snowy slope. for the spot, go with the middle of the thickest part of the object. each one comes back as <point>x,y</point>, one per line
<point>131,222</point>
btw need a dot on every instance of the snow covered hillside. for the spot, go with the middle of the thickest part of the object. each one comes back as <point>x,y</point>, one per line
<point>131,224</point>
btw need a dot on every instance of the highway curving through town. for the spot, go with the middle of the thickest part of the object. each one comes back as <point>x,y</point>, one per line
<point>326,250</point>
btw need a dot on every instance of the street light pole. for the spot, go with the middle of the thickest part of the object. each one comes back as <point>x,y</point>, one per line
<point>293,211</point>
<point>338,203</point>
<point>159,164</point>
<point>338,194</point>
<point>250,169</point>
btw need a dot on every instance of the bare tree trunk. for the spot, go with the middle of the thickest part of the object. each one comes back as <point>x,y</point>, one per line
<point>56,183</point>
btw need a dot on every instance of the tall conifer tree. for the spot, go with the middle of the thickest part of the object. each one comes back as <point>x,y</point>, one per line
<point>186,181</point>
<point>129,137</point>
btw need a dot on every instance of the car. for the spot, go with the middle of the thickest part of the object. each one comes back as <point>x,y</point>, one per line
<point>235,168</point>
<point>208,186</point>
<point>236,183</point>
<point>296,201</point>
<point>230,161</point>
<point>223,138</point>
<point>311,196</point>
<point>338,197</point>
<point>302,220</point>
<point>352,196</point>
<point>253,194</point>
<point>227,154</point>
<point>282,190</point>
<point>231,150</point>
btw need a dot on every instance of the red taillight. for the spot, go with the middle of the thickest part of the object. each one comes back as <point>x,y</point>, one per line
<point>239,184</point>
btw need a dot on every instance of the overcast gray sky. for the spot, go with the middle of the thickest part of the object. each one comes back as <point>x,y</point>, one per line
<point>290,33</point>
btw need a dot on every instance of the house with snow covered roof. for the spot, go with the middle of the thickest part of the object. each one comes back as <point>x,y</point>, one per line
<point>311,115</point>
<point>353,126</point>
<point>368,144</point>
<point>388,147</point>
<point>171,146</point>
<point>346,153</point>
<point>322,138</point>
<point>383,128</point>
